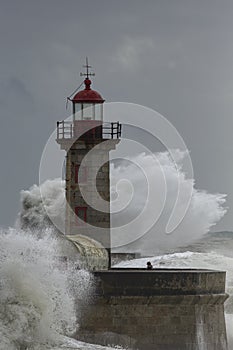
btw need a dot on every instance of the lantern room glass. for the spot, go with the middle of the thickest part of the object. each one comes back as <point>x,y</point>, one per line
<point>88,111</point>
<point>99,111</point>
<point>77,111</point>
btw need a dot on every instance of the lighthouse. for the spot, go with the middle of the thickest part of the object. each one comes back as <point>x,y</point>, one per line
<point>88,140</point>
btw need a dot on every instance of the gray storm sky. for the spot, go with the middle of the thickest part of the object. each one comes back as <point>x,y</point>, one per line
<point>175,56</point>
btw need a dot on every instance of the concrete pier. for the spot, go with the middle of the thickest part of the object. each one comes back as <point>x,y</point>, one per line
<point>160,309</point>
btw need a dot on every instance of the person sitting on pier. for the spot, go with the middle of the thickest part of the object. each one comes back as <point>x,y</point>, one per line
<point>149,265</point>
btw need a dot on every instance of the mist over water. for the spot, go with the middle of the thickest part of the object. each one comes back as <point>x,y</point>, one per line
<point>42,206</point>
<point>41,298</point>
<point>204,211</point>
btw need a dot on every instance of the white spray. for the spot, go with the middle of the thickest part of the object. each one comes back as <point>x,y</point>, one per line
<point>37,292</point>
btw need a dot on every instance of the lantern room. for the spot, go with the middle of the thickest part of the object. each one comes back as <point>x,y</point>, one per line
<point>87,103</point>
<point>87,115</point>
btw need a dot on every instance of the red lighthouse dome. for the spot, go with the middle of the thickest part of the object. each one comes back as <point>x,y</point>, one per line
<point>88,95</point>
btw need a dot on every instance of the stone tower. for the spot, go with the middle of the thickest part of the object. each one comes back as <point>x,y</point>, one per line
<point>87,141</point>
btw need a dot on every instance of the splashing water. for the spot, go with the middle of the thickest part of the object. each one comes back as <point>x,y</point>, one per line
<point>205,209</point>
<point>38,295</point>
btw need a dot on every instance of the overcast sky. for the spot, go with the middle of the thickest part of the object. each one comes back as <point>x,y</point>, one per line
<point>175,56</point>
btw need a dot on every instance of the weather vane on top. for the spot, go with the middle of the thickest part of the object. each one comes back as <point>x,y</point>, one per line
<point>88,73</point>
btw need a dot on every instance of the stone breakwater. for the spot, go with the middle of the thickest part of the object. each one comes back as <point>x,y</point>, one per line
<point>161,309</point>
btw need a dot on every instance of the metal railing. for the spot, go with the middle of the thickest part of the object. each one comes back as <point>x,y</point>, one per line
<point>65,130</point>
<point>111,130</point>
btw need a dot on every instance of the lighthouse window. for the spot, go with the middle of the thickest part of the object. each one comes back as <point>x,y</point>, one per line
<point>77,111</point>
<point>99,111</point>
<point>87,111</point>
<point>81,215</point>
<point>80,175</point>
